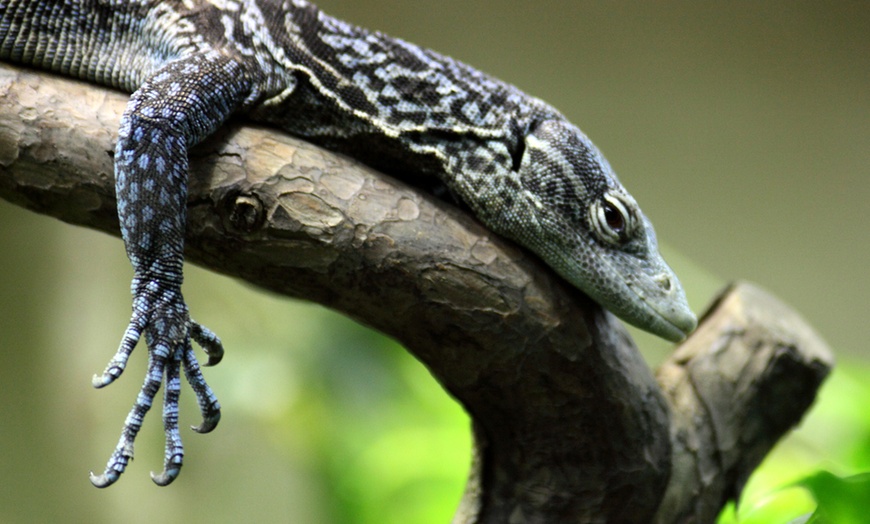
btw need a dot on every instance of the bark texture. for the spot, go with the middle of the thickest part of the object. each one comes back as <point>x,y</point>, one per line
<point>570,424</point>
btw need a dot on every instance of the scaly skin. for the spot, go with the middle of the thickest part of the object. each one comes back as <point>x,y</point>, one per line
<point>524,170</point>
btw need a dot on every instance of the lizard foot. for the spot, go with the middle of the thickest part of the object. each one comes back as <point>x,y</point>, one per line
<point>161,315</point>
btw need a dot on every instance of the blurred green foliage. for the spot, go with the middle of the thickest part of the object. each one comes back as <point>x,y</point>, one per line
<point>385,441</point>
<point>820,473</point>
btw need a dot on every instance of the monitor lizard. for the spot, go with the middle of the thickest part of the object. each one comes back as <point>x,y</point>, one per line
<point>517,163</point>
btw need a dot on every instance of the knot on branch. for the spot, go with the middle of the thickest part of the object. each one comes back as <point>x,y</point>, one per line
<point>243,213</point>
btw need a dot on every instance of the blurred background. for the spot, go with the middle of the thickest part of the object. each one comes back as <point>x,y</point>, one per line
<point>742,128</point>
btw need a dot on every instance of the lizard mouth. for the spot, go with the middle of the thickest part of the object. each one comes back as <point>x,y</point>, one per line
<point>674,324</point>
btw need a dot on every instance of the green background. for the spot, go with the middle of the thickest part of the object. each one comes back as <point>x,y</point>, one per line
<point>742,128</point>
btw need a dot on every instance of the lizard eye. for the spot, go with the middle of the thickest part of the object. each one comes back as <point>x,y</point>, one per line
<point>614,218</point>
<point>611,219</point>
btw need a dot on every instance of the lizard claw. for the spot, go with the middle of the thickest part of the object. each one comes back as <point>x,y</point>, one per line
<point>116,366</point>
<point>104,480</point>
<point>122,455</point>
<point>208,341</point>
<point>108,376</point>
<point>208,423</point>
<point>165,477</point>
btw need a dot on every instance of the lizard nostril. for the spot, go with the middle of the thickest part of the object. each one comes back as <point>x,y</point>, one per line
<point>665,282</point>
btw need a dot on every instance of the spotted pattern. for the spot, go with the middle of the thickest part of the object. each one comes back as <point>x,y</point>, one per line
<point>190,64</point>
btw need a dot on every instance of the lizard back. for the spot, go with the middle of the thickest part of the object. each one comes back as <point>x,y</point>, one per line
<point>392,104</point>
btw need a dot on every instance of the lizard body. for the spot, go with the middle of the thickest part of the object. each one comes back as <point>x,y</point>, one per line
<point>522,168</point>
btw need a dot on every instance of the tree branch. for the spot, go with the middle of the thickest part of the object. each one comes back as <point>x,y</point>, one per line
<point>569,422</point>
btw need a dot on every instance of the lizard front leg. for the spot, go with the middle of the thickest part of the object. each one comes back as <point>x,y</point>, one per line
<point>175,108</point>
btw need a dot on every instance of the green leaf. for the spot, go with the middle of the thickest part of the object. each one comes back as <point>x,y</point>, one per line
<point>842,500</point>
<point>783,505</point>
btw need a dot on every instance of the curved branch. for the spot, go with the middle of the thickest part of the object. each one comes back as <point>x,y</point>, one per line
<point>569,422</point>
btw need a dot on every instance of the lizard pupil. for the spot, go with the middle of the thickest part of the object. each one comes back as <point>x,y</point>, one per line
<point>613,217</point>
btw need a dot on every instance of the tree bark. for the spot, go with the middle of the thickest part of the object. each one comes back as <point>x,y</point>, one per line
<point>569,422</point>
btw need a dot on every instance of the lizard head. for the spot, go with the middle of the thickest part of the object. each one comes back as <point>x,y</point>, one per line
<point>572,211</point>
